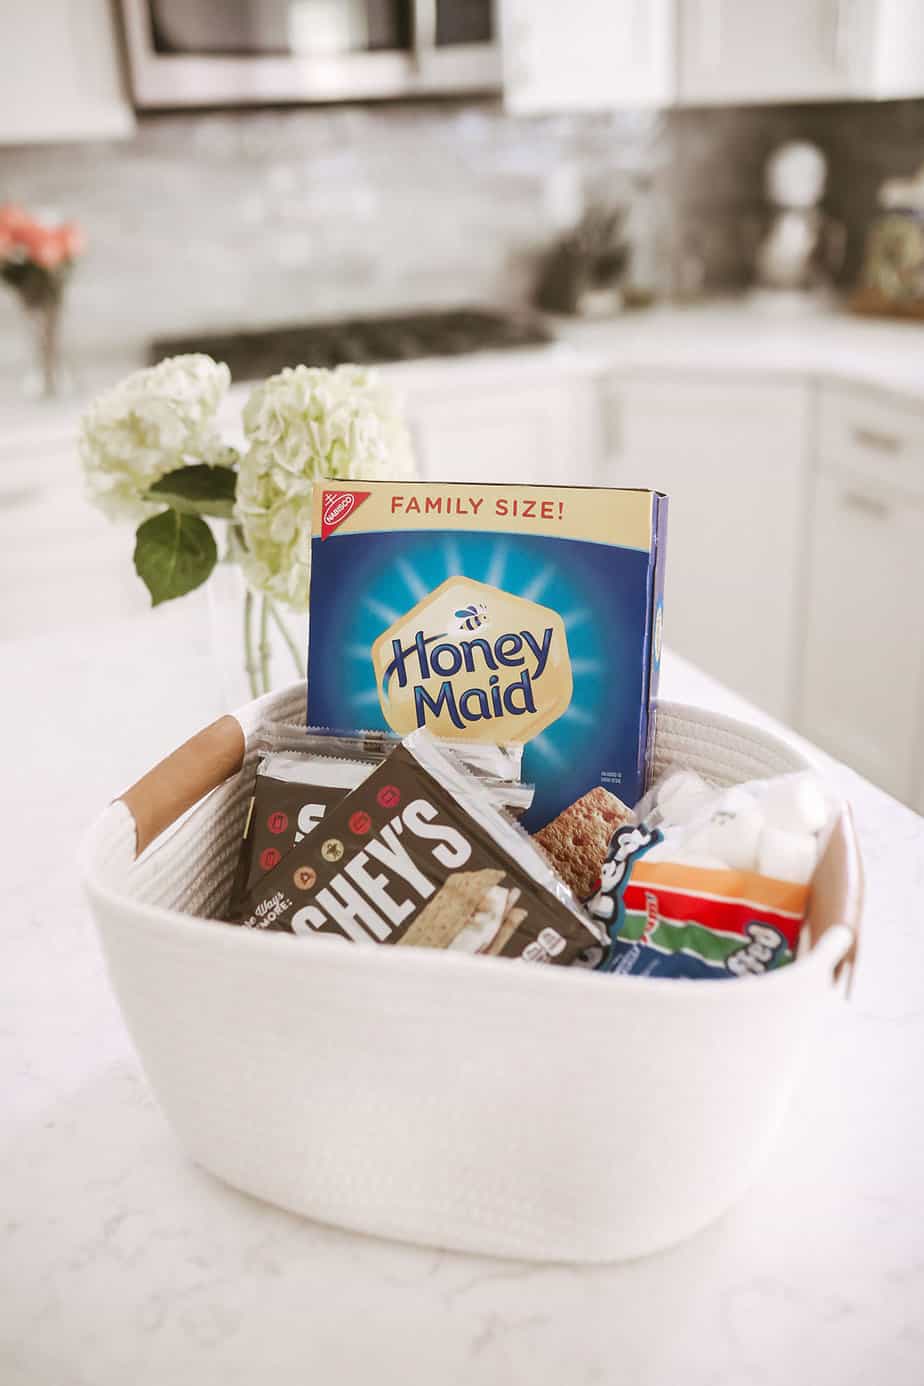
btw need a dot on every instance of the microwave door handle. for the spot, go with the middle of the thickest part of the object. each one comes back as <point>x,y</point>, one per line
<point>424,26</point>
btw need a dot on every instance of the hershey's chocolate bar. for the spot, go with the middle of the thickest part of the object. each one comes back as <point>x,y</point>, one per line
<point>291,796</point>
<point>418,854</point>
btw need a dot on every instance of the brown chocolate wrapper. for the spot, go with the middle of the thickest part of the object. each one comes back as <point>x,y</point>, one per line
<point>287,805</point>
<point>418,853</point>
<point>281,812</point>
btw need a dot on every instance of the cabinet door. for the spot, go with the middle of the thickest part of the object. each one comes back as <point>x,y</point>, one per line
<point>60,73</point>
<point>862,664</point>
<point>899,49</point>
<point>751,51</point>
<point>732,457</point>
<point>543,433</point>
<point>587,55</point>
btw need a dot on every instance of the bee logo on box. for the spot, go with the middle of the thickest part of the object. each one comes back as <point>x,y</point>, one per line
<point>470,660</point>
<point>471,617</point>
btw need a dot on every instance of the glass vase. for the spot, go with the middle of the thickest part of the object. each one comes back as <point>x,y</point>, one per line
<point>257,645</point>
<point>47,376</point>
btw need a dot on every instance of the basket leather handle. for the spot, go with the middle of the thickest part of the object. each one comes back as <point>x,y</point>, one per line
<point>837,892</point>
<point>202,763</point>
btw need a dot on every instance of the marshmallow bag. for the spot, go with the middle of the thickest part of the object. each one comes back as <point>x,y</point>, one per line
<point>711,882</point>
<point>464,1102</point>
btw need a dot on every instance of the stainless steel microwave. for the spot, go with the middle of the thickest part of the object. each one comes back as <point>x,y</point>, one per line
<point>263,52</point>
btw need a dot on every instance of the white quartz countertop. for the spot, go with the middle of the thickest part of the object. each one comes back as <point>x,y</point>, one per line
<point>739,335</point>
<point>124,1263</point>
<point>730,336</point>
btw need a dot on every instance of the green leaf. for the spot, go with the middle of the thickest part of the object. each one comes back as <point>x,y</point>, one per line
<point>198,490</point>
<point>174,553</point>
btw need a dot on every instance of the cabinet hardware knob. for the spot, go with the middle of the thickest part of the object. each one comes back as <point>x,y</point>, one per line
<point>880,442</point>
<point>856,500</point>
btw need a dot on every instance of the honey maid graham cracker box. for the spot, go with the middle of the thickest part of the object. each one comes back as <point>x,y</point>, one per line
<point>493,613</point>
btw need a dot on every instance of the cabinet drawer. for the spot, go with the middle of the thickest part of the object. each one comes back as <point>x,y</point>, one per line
<point>872,436</point>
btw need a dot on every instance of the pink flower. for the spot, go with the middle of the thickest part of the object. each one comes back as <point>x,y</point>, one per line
<point>14,220</point>
<point>38,243</point>
<point>47,246</point>
<point>73,241</point>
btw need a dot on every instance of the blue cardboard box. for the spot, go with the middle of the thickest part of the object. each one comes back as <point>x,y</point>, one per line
<point>524,614</point>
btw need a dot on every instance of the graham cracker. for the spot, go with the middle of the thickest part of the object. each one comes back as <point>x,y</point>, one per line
<point>578,839</point>
<point>451,908</point>
<point>509,925</point>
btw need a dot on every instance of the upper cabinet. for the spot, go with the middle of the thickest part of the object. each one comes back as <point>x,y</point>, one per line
<point>792,50</point>
<point>896,62</point>
<point>731,51</point>
<point>61,73</point>
<point>588,55</point>
<point>602,54</point>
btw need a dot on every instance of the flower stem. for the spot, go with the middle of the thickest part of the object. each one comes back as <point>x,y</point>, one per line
<point>264,644</point>
<point>250,663</point>
<point>286,634</point>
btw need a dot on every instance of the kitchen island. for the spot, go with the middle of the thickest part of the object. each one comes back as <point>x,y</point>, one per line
<point>122,1262</point>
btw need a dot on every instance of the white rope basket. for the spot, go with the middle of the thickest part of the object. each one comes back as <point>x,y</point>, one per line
<point>433,1097</point>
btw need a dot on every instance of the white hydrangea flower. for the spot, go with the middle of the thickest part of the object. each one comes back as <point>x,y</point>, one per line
<point>154,421</point>
<point>303,425</point>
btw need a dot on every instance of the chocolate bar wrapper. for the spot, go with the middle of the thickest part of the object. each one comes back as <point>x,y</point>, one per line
<point>419,854</point>
<point>292,793</point>
<point>501,762</point>
<point>295,789</point>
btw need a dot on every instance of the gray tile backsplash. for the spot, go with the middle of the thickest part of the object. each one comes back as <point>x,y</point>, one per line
<point>717,162</point>
<point>221,220</point>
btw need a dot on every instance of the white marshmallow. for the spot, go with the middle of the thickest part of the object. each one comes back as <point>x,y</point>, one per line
<point>661,851</point>
<point>733,831</point>
<point>682,796</point>
<point>683,851</point>
<point>689,858</point>
<point>796,803</point>
<point>695,840</point>
<point>787,856</point>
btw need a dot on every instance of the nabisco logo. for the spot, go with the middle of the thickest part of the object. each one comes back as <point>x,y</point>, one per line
<point>474,661</point>
<point>336,506</point>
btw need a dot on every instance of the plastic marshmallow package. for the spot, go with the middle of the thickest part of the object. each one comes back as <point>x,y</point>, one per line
<point>775,827</point>
<point>713,882</point>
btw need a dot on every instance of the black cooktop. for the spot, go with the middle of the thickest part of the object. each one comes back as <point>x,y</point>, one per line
<point>360,340</point>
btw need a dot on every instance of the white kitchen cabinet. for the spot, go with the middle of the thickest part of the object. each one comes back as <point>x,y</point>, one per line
<point>587,54</point>
<point>863,664</point>
<point>792,50</point>
<point>732,455</point>
<point>873,436</point>
<point>61,73</point>
<point>862,691</point>
<point>543,432</point>
<point>896,59</point>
